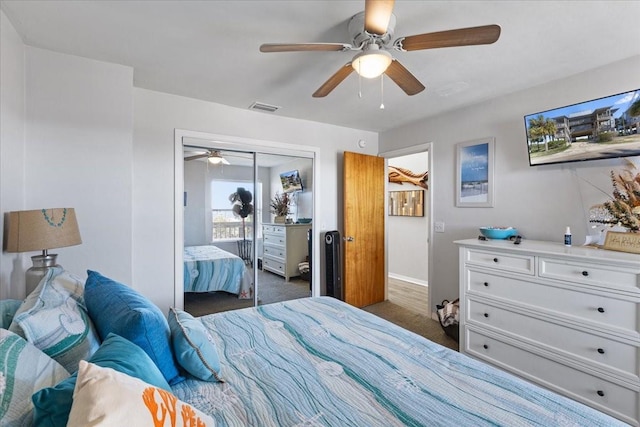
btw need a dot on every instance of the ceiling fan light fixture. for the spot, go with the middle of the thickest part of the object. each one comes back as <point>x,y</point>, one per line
<point>372,61</point>
<point>215,158</point>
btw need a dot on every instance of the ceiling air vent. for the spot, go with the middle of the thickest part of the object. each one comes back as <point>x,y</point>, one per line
<point>259,106</point>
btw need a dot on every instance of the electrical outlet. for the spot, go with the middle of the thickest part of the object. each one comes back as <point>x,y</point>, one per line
<point>439,227</point>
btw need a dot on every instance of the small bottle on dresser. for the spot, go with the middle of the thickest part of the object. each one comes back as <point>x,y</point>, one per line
<point>567,237</point>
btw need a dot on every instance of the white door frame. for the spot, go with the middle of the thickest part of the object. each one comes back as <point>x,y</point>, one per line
<point>209,140</point>
<point>421,148</point>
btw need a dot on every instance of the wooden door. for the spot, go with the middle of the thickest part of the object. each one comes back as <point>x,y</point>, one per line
<point>363,243</point>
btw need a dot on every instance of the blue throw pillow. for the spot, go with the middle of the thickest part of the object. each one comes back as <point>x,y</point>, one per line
<point>117,308</point>
<point>193,346</point>
<point>52,404</point>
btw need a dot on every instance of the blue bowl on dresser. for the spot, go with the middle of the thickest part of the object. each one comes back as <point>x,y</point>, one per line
<point>498,233</point>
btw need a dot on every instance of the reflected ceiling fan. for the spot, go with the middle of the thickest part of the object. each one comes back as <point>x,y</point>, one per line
<point>213,156</point>
<point>371,32</point>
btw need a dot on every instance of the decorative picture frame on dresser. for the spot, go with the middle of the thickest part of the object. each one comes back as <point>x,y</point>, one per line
<point>623,242</point>
<point>474,173</point>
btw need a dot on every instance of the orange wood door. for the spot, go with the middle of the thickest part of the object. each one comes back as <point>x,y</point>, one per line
<point>363,243</point>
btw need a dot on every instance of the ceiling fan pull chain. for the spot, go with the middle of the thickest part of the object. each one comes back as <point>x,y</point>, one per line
<point>359,82</point>
<point>382,91</point>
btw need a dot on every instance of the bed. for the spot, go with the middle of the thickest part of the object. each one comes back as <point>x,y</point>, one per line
<point>320,362</point>
<point>209,268</point>
<point>313,361</point>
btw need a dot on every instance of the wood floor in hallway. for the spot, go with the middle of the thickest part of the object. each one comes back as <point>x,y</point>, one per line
<point>408,295</point>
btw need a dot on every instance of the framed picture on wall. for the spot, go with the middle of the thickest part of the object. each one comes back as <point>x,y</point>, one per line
<point>406,203</point>
<point>474,173</point>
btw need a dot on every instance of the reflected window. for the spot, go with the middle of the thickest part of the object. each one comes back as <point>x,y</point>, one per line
<point>227,224</point>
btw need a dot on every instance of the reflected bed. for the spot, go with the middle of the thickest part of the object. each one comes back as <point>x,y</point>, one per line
<point>209,269</point>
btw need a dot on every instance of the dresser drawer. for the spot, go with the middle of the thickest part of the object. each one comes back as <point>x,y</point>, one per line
<point>276,229</point>
<point>598,349</point>
<point>274,239</point>
<point>275,252</point>
<point>499,261</point>
<point>621,313</point>
<point>607,396</point>
<point>273,265</point>
<point>589,274</point>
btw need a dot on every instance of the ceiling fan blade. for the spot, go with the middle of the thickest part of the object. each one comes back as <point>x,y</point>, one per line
<point>377,14</point>
<point>334,81</point>
<point>403,78</point>
<point>461,37</point>
<point>198,156</point>
<point>304,47</point>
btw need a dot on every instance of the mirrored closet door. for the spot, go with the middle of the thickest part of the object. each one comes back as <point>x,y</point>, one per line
<point>247,218</point>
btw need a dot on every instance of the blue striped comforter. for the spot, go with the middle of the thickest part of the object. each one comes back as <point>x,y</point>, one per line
<point>321,362</point>
<point>209,268</point>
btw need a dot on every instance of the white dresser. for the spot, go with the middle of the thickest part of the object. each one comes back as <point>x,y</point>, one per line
<point>566,318</point>
<point>284,247</point>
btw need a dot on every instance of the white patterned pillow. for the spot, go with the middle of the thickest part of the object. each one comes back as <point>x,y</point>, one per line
<point>106,397</point>
<point>54,318</point>
<point>8,308</point>
<point>24,369</point>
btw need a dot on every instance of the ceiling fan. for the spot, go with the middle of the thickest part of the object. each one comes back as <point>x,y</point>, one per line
<point>214,157</point>
<point>371,32</point>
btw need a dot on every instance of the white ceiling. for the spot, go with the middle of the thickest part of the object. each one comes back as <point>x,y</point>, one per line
<point>209,50</point>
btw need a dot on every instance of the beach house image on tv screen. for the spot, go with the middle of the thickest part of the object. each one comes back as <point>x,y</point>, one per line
<point>602,128</point>
<point>291,181</point>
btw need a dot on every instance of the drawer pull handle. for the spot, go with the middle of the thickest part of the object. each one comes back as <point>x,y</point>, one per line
<point>600,393</point>
<point>486,283</point>
<point>486,315</point>
<point>495,260</point>
<point>601,350</point>
<point>585,273</point>
<point>600,310</point>
<point>486,347</point>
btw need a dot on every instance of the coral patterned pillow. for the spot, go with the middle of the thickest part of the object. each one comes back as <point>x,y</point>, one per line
<point>105,397</point>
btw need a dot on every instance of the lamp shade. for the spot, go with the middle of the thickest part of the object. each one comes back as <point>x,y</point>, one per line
<point>42,229</point>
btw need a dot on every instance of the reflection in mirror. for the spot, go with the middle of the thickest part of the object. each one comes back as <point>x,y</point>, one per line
<point>284,229</point>
<point>235,253</point>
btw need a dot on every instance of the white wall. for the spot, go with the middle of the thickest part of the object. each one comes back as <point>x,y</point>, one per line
<point>157,115</point>
<point>12,160</point>
<point>78,153</point>
<point>407,237</point>
<point>540,201</point>
<point>66,142</point>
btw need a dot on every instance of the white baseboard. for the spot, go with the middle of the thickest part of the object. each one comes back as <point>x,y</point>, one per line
<point>409,279</point>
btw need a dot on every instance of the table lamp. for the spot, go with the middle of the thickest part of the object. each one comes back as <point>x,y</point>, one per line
<point>41,229</point>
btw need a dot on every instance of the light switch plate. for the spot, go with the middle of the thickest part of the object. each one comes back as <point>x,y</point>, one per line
<point>439,227</point>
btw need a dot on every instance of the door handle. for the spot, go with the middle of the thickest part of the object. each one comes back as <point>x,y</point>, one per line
<point>348,239</point>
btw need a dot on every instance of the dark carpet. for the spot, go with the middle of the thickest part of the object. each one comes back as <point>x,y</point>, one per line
<point>272,288</point>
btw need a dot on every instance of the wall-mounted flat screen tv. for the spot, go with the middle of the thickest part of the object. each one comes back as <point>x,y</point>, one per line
<point>602,128</point>
<point>291,181</point>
